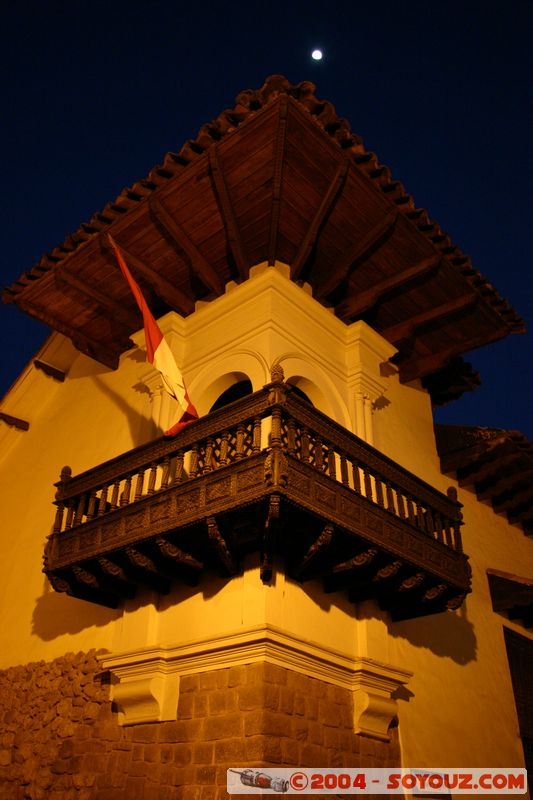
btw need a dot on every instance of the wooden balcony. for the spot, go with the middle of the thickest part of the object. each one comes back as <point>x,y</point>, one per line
<point>267,474</point>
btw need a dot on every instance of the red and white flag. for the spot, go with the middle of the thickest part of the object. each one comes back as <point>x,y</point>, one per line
<point>158,351</point>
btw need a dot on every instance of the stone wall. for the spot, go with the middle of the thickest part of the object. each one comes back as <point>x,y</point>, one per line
<point>60,739</point>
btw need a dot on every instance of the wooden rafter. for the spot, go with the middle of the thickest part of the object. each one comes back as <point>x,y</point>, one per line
<point>172,296</point>
<point>200,264</point>
<point>361,250</point>
<point>423,365</point>
<point>328,201</point>
<point>119,313</point>
<point>279,154</point>
<point>232,226</point>
<point>404,330</point>
<point>81,341</point>
<point>359,303</point>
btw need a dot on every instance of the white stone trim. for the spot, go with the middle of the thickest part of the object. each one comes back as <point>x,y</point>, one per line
<point>145,683</point>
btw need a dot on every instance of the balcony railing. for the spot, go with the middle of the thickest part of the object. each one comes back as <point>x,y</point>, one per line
<point>268,473</point>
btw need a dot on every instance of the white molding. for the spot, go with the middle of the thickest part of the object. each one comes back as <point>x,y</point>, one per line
<point>145,683</point>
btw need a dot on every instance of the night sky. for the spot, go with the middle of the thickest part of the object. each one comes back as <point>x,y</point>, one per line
<point>94,94</point>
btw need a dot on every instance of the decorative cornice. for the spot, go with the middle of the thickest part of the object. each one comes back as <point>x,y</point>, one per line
<point>146,680</point>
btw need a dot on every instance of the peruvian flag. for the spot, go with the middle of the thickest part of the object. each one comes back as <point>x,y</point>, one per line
<point>158,352</point>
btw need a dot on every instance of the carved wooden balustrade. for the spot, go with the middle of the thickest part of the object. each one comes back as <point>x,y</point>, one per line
<point>267,474</point>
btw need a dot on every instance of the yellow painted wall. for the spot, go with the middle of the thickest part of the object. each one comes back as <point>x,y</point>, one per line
<point>458,707</point>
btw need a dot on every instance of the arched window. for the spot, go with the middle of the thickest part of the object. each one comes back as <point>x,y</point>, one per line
<point>300,393</point>
<point>234,392</point>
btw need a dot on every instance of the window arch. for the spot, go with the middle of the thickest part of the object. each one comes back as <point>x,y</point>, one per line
<point>236,391</point>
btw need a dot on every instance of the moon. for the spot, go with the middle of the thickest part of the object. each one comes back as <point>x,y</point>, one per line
<point>316,55</point>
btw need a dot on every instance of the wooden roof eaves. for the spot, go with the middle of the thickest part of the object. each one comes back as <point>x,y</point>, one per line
<point>323,113</point>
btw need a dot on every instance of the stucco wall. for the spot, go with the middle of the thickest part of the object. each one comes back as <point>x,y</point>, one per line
<point>447,711</point>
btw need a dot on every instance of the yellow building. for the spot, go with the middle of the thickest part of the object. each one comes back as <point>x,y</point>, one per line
<point>300,577</point>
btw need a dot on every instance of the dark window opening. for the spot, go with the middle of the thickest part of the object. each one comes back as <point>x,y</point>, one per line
<point>302,395</point>
<point>234,392</point>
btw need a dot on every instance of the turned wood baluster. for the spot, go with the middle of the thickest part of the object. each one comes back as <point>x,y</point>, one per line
<point>114,495</point>
<point>419,516</point>
<point>319,454</point>
<point>91,505</point>
<point>179,475</point>
<point>410,510</point>
<point>102,503</point>
<point>332,466</point>
<point>291,437</point>
<point>256,439</point>
<point>80,510</point>
<point>151,479</point>
<point>401,504</point>
<point>438,527</point>
<point>430,525</point>
<point>304,447</point>
<point>139,483</point>
<point>367,484</point>
<point>58,523</point>
<point>344,471</point>
<point>275,433</point>
<point>390,498</point>
<point>356,477</point>
<point>239,447</point>
<point>208,465</point>
<point>126,492</point>
<point>193,471</point>
<point>224,446</point>
<point>448,535</point>
<point>379,492</point>
<point>165,478</point>
<point>70,515</point>
<point>457,539</point>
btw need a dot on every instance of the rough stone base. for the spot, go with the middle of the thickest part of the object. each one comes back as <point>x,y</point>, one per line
<point>60,739</point>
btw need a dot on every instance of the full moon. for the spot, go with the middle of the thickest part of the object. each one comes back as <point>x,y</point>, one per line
<point>316,55</point>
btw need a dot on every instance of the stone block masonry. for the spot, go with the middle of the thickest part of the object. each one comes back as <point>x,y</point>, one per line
<point>60,738</point>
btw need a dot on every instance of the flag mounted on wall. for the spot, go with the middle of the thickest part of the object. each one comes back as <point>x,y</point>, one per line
<point>158,351</point>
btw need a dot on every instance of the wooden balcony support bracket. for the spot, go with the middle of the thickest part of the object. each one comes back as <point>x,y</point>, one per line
<point>279,155</point>
<point>228,213</point>
<point>169,293</point>
<point>220,548</point>
<point>363,249</point>
<point>199,262</point>
<point>314,555</point>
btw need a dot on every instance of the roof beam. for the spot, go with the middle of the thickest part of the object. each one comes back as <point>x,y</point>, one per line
<point>200,264</point>
<point>122,315</point>
<point>404,330</point>
<point>361,250</point>
<point>362,301</point>
<point>172,296</point>
<point>418,367</point>
<point>82,342</point>
<point>279,153</point>
<point>234,235</point>
<point>327,203</point>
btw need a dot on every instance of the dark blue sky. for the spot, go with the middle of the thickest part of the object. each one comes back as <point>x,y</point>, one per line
<point>95,93</point>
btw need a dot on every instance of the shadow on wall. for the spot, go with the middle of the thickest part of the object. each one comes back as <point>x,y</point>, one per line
<point>448,634</point>
<point>56,614</point>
